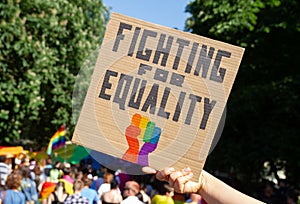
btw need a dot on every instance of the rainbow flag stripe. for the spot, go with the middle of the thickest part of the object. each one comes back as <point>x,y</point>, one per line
<point>57,140</point>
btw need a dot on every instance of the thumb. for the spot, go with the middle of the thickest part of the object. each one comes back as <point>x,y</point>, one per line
<point>148,170</point>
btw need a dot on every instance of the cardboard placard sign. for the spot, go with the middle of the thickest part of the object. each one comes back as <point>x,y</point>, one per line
<point>157,94</point>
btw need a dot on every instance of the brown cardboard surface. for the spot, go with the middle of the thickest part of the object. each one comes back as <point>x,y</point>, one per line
<point>157,94</point>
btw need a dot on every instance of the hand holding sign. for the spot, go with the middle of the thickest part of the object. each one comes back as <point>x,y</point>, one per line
<point>141,127</point>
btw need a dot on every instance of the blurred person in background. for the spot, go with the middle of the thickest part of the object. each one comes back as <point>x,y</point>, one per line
<point>5,170</point>
<point>48,186</point>
<point>114,195</point>
<point>77,198</point>
<point>28,186</point>
<point>67,178</point>
<point>131,190</point>
<point>59,195</point>
<point>164,196</point>
<point>105,186</point>
<point>194,199</point>
<point>291,197</point>
<point>36,176</point>
<point>144,197</point>
<point>12,195</point>
<point>122,177</point>
<point>89,193</point>
<point>268,195</point>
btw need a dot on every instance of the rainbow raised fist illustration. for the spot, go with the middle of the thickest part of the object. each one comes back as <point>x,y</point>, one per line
<point>144,130</point>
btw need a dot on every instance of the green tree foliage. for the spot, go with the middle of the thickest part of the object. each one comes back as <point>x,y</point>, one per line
<point>263,108</point>
<point>42,47</point>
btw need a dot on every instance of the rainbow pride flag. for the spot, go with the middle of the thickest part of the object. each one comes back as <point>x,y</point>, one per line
<point>57,140</point>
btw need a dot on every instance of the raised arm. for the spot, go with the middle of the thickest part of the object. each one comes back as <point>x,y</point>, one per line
<point>209,187</point>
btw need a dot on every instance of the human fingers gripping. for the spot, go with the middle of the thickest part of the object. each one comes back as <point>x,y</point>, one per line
<point>164,174</point>
<point>173,179</point>
<point>185,185</point>
<point>149,170</point>
<point>179,180</point>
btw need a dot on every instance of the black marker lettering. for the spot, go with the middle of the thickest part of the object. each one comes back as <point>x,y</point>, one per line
<point>191,58</point>
<point>161,75</point>
<point>136,104</point>
<point>204,61</point>
<point>181,43</point>
<point>142,69</point>
<point>106,84</point>
<point>147,55</point>
<point>133,41</point>
<point>214,76</point>
<point>161,50</point>
<point>179,106</point>
<point>207,110</point>
<point>194,100</point>
<point>120,35</point>
<point>121,99</point>
<point>151,100</point>
<point>161,111</point>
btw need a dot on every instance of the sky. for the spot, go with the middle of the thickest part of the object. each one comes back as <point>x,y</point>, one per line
<point>168,13</point>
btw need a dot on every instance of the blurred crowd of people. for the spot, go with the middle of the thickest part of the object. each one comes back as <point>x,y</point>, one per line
<point>47,182</point>
<point>33,182</point>
<point>278,194</point>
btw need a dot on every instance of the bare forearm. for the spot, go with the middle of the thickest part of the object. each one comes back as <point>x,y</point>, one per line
<point>215,191</point>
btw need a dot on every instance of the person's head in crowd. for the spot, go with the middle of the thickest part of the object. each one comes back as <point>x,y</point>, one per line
<point>47,172</point>
<point>21,160</point>
<point>291,197</point>
<point>48,161</point>
<point>103,170</point>
<point>37,170</point>
<point>112,196</point>
<point>87,180</point>
<point>79,175</point>
<point>143,187</point>
<point>58,165</point>
<point>60,186</point>
<point>32,164</point>
<point>169,190</point>
<point>131,188</point>
<point>74,170</point>
<point>8,159</point>
<point>268,190</point>
<point>13,181</point>
<point>164,188</point>
<point>82,164</point>
<point>282,183</point>
<point>78,185</point>
<point>42,162</point>
<point>25,161</point>
<point>67,168</point>
<point>54,174</point>
<point>25,171</point>
<point>114,184</point>
<point>2,158</point>
<point>108,177</point>
<point>89,163</point>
